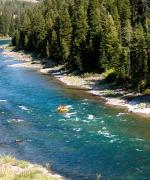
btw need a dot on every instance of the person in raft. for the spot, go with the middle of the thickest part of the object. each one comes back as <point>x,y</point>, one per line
<point>62,109</point>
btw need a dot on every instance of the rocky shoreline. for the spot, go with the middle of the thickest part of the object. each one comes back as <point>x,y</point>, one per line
<point>93,84</point>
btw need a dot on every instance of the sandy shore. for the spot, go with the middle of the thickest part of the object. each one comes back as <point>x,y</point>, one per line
<point>27,60</point>
<point>94,84</point>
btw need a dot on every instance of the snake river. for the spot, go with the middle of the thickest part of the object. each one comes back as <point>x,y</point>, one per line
<point>89,142</point>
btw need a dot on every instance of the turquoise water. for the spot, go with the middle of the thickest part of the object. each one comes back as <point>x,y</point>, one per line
<point>93,139</point>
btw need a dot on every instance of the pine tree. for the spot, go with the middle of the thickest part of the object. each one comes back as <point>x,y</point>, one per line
<point>111,44</point>
<point>139,59</point>
<point>38,32</point>
<point>65,34</point>
<point>93,37</point>
<point>25,30</point>
<point>80,27</point>
<point>16,39</point>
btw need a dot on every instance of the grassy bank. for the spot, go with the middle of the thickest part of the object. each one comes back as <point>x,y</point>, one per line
<point>13,169</point>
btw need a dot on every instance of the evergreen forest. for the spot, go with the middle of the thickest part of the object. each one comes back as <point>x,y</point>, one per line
<point>10,10</point>
<point>90,36</point>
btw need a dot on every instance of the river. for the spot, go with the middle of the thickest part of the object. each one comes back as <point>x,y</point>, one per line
<point>91,139</point>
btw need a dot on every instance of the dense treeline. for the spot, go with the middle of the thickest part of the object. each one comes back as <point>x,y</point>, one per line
<point>91,35</point>
<point>9,10</point>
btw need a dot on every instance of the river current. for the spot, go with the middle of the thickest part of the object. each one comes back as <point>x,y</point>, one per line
<point>91,140</point>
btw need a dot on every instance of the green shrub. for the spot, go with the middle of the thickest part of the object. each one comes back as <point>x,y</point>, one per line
<point>141,86</point>
<point>111,77</point>
<point>108,72</point>
<point>147,91</point>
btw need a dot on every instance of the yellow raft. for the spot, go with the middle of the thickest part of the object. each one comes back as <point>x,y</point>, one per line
<point>63,109</point>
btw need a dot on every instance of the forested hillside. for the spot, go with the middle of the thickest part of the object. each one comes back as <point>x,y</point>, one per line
<point>91,35</point>
<point>9,10</point>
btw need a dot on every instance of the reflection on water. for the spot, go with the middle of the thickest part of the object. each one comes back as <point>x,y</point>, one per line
<point>91,139</point>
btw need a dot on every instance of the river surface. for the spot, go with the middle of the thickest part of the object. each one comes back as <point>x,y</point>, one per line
<point>91,139</point>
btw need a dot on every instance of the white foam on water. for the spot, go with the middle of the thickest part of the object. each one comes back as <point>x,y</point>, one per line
<point>86,121</point>
<point>114,140</point>
<point>104,128</point>
<point>102,122</point>
<point>15,121</point>
<point>137,139</point>
<point>62,120</point>
<point>85,103</point>
<point>91,117</point>
<point>77,129</point>
<point>77,119</point>
<point>68,115</point>
<point>139,150</point>
<point>121,114</point>
<point>73,113</point>
<point>23,108</point>
<point>124,120</point>
<point>105,133</point>
<point>69,106</point>
<point>3,100</point>
<point>67,141</point>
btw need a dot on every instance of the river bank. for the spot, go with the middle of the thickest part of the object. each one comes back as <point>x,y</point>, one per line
<point>11,168</point>
<point>5,38</point>
<point>92,83</point>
